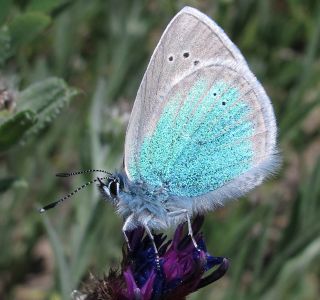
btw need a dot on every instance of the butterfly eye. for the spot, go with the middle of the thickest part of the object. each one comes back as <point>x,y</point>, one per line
<point>113,187</point>
<point>114,184</point>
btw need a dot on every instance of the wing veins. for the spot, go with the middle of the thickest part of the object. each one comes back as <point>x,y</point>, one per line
<point>210,28</point>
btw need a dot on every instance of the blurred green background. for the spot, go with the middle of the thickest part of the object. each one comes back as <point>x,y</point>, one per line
<point>69,74</point>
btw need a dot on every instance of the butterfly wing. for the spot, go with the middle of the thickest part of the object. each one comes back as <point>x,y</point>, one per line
<point>202,125</point>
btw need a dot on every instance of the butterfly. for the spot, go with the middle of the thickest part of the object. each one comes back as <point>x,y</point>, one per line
<point>202,130</point>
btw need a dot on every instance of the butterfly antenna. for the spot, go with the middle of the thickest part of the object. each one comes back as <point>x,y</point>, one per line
<point>54,204</point>
<point>81,172</point>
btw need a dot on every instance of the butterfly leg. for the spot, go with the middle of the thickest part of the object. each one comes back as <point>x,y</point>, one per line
<point>149,233</point>
<point>125,227</point>
<point>190,232</point>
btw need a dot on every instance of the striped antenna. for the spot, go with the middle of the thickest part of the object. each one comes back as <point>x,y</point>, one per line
<point>54,204</point>
<point>81,172</point>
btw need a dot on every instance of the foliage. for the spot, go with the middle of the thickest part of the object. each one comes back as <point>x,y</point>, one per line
<point>52,50</point>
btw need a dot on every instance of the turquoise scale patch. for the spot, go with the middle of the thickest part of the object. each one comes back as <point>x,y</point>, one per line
<point>197,145</point>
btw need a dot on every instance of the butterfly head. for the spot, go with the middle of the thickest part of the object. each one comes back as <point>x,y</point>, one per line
<point>111,187</point>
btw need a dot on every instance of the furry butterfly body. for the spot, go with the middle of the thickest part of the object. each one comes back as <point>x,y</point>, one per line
<point>202,130</point>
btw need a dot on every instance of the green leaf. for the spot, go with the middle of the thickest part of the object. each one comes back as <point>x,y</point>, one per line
<point>294,248</point>
<point>294,270</point>
<point>12,130</point>
<point>46,99</point>
<point>62,264</point>
<point>5,45</point>
<point>26,27</point>
<point>294,118</point>
<point>82,252</point>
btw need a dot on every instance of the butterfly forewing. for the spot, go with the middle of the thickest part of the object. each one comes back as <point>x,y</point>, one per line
<point>201,123</point>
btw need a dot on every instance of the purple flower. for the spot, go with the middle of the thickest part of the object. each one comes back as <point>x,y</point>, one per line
<point>181,271</point>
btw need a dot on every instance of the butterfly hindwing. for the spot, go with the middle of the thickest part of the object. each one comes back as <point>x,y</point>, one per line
<point>210,131</point>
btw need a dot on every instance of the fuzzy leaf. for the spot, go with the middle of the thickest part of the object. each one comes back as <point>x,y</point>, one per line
<point>12,130</point>
<point>46,99</point>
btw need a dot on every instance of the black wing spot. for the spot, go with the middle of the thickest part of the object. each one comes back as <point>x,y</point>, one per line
<point>170,58</point>
<point>214,94</point>
<point>186,54</point>
<point>223,103</point>
<point>196,62</point>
